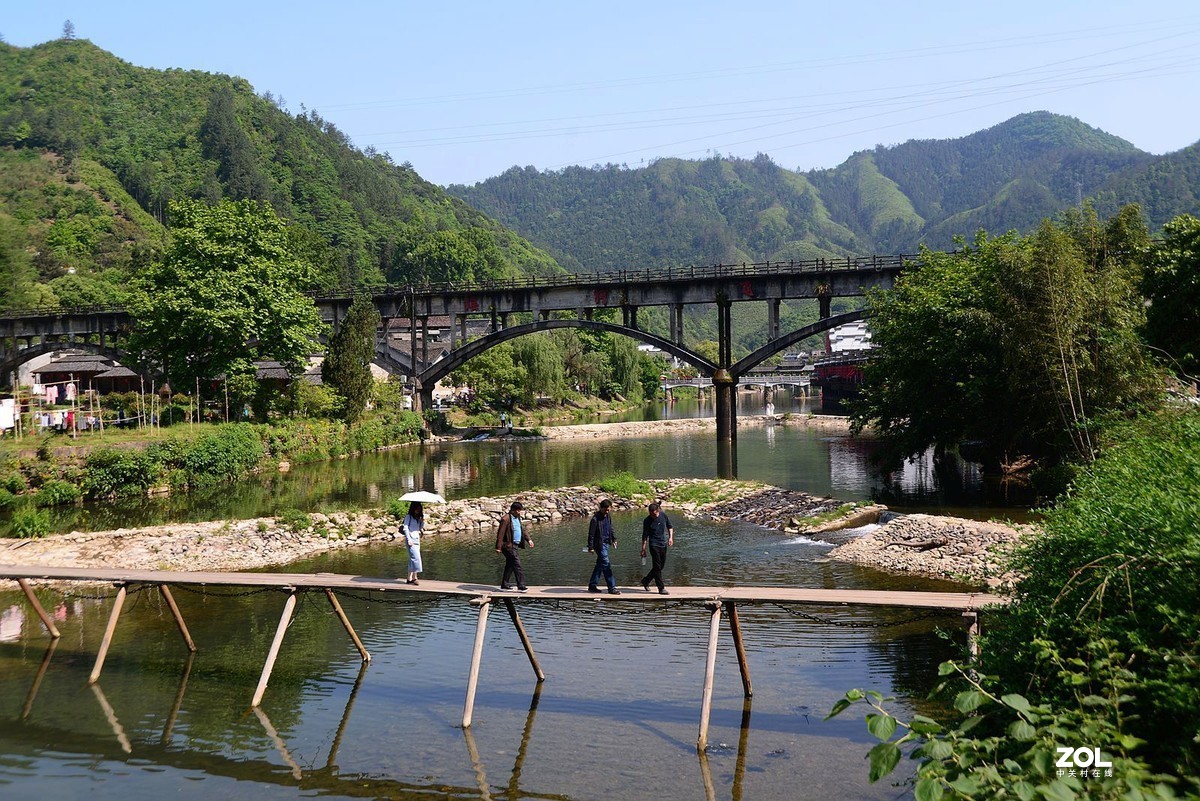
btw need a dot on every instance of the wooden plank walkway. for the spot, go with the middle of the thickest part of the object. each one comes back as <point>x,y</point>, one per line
<point>717,601</point>
<point>957,601</point>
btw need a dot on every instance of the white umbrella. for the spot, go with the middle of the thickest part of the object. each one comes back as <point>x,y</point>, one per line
<point>422,497</point>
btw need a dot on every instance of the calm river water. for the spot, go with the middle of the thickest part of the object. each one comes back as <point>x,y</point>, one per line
<point>615,719</point>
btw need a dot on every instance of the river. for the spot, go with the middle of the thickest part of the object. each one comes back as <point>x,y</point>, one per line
<point>615,719</point>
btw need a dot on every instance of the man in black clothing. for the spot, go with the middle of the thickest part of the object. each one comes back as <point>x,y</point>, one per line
<point>600,538</point>
<point>658,534</point>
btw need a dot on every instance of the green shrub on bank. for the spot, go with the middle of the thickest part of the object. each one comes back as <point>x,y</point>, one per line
<point>225,454</point>
<point>397,508</point>
<point>1117,560</point>
<point>624,485</point>
<point>1006,747</point>
<point>294,520</point>
<point>693,493</point>
<point>109,472</point>
<point>57,493</point>
<point>7,499</point>
<point>29,522</point>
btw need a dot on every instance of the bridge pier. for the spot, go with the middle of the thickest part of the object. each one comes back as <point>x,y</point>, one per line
<point>725,389</point>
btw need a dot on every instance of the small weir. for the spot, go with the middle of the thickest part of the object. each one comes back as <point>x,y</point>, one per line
<point>717,602</point>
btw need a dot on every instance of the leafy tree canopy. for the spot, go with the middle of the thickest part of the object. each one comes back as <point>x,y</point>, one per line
<point>347,365</point>
<point>1019,343</point>
<point>229,292</point>
<point>1172,284</point>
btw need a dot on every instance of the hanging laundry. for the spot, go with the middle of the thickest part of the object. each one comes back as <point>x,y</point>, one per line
<point>71,392</point>
<point>8,414</point>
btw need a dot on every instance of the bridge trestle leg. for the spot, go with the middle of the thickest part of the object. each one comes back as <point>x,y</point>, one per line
<point>735,629</point>
<point>516,619</point>
<point>273,653</point>
<point>341,615</point>
<point>710,665</point>
<point>37,607</point>
<point>183,629</point>
<point>109,630</point>
<point>31,696</point>
<point>485,605</point>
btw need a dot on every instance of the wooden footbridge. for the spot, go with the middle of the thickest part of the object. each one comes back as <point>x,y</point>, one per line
<point>718,601</point>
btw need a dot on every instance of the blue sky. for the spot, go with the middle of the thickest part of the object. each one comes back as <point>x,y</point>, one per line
<point>466,90</point>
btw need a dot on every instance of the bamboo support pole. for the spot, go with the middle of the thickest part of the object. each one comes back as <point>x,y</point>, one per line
<point>183,629</point>
<point>516,619</point>
<point>710,791</point>
<point>337,609</point>
<point>31,696</point>
<point>485,604</point>
<point>485,789</point>
<point>280,630</point>
<point>735,629</point>
<point>111,715</point>
<point>169,728</point>
<point>108,634</point>
<point>739,766</point>
<point>37,607</point>
<point>280,745</point>
<point>972,619</point>
<point>710,664</point>
<point>331,763</point>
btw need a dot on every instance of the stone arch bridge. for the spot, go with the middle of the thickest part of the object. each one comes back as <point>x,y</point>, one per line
<point>513,308</point>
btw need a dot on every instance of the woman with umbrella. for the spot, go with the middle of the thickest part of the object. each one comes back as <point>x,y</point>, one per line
<point>412,526</point>
<point>414,521</point>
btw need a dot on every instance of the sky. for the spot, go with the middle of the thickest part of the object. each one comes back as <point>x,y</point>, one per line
<point>465,90</point>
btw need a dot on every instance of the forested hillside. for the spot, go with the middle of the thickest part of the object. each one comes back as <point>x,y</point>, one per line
<point>92,149</point>
<point>887,200</point>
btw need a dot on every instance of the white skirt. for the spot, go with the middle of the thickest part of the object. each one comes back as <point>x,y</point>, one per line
<point>414,558</point>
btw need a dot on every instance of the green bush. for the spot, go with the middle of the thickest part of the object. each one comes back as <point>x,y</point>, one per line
<point>693,493</point>
<point>397,508</point>
<point>1117,560</point>
<point>294,520</point>
<point>7,499</point>
<point>14,483</point>
<point>57,493</point>
<point>28,523</point>
<point>1005,747</point>
<point>111,472</point>
<point>624,485</point>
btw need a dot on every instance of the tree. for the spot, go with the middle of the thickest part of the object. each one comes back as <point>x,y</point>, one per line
<point>495,380</point>
<point>228,292</point>
<point>543,363</point>
<point>1019,343</point>
<point>1172,284</point>
<point>347,365</point>
<point>68,31</point>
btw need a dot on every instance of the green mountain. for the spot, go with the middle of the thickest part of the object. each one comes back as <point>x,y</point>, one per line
<point>92,149</point>
<point>887,200</point>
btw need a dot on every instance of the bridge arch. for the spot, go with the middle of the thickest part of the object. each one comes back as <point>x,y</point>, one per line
<point>768,350</point>
<point>439,370</point>
<point>14,359</point>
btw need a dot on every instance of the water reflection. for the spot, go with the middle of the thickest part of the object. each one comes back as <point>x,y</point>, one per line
<point>616,717</point>
<point>789,456</point>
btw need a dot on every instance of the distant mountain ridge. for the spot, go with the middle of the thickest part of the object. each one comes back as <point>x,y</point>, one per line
<point>92,149</point>
<point>885,200</point>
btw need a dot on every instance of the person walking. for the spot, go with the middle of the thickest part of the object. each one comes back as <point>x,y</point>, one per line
<point>658,535</point>
<point>411,527</point>
<point>600,539</point>
<point>509,538</point>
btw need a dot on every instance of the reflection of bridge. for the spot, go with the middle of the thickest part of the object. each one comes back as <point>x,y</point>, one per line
<point>518,307</point>
<point>764,380</point>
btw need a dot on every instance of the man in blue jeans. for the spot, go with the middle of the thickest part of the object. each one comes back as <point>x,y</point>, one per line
<point>600,538</point>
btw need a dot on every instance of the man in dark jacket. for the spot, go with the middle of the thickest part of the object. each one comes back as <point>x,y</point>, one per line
<point>510,537</point>
<point>600,539</point>
<point>658,535</point>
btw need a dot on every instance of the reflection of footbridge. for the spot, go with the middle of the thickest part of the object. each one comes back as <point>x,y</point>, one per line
<point>517,307</point>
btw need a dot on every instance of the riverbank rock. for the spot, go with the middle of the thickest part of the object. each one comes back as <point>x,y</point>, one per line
<point>946,547</point>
